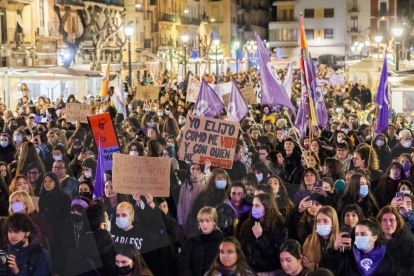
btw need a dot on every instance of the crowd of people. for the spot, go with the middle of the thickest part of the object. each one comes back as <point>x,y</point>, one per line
<point>336,202</point>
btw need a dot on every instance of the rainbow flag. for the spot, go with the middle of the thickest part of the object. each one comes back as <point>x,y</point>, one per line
<point>105,81</point>
<point>118,100</point>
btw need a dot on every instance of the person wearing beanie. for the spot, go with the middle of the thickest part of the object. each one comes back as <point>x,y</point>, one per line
<point>68,233</point>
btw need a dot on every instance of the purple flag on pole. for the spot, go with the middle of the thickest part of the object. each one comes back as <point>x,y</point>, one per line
<point>316,94</point>
<point>98,190</point>
<point>208,104</point>
<point>382,98</point>
<point>237,107</point>
<point>273,92</point>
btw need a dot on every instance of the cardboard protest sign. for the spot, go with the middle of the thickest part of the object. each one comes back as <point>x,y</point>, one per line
<point>102,126</point>
<point>147,92</point>
<point>209,139</point>
<point>337,79</point>
<point>248,95</point>
<point>77,112</point>
<point>142,174</point>
<point>193,88</point>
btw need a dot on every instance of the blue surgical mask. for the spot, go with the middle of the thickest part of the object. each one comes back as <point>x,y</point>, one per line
<point>122,222</point>
<point>257,212</point>
<point>172,145</point>
<point>323,230</point>
<point>167,112</point>
<point>246,150</point>
<point>406,166</point>
<point>259,177</point>
<point>362,242</point>
<point>221,184</point>
<point>150,124</point>
<point>407,144</point>
<point>130,107</point>
<point>181,121</point>
<point>363,190</point>
<point>160,114</point>
<point>4,144</point>
<point>57,157</point>
<point>17,207</point>
<point>344,130</point>
<point>18,138</point>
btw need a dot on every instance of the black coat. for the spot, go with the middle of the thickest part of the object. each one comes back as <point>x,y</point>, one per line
<point>262,254</point>
<point>401,249</point>
<point>367,206</point>
<point>343,264</point>
<point>94,256</point>
<point>399,149</point>
<point>65,239</point>
<point>55,206</point>
<point>196,256</point>
<point>7,153</point>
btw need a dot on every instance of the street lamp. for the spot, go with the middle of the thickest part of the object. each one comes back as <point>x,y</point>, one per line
<point>378,38</point>
<point>185,38</point>
<point>397,33</point>
<point>236,45</point>
<point>216,43</point>
<point>129,30</point>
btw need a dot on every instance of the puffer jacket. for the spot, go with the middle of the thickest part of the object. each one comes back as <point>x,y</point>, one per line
<point>188,194</point>
<point>198,254</point>
<point>262,254</point>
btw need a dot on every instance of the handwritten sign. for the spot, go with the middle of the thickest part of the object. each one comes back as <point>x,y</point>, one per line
<point>132,174</point>
<point>209,139</point>
<point>337,79</point>
<point>283,63</point>
<point>147,92</point>
<point>102,126</point>
<point>77,112</point>
<point>247,93</point>
<point>193,88</point>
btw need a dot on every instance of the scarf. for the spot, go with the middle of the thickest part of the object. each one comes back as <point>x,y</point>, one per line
<point>225,271</point>
<point>368,262</point>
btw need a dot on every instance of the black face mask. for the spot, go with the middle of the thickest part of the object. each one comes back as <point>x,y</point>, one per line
<point>76,218</point>
<point>85,194</point>
<point>76,151</point>
<point>19,245</point>
<point>124,270</point>
<point>13,127</point>
<point>354,126</point>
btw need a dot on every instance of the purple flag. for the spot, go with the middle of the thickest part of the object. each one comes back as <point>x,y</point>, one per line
<point>316,94</point>
<point>273,92</point>
<point>98,190</point>
<point>208,104</point>
<point>237,108</point>
<point>382,98</point>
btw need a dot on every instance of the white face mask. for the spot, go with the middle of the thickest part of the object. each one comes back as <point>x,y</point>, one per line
<point>57,157</point>
<point>407,144</point>
<point>87,174</point>
<point>379,143</point>
<point>134,153</point>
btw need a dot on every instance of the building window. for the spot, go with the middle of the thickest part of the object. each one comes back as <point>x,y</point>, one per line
<point>286,34</point>
<point>215,32</point>
<point>383,25</point>
<point>328,13</point>
<point>310,33</point>
<point>328,33</point>
<point>309,13</point>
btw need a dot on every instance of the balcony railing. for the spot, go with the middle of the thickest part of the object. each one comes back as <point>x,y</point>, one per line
<point>285,19</point>
<point>118,3</point>
<point>205,18</point>
<point>353,8</point>
<point>14,36</point>
<point>189,20</point>
<point>354,30</point>
<point>167,17</point>
<point>381,13</point>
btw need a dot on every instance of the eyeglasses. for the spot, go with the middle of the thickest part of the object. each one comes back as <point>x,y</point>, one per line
<point>58,168</point>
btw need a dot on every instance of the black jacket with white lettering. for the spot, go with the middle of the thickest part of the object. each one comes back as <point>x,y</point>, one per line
<point>136,236</point>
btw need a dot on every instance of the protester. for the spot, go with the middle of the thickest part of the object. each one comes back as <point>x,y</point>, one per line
<point>25,255</point>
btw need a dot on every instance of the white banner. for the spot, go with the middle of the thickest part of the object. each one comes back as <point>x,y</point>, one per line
<point>193,88</point>
<point>221,89</point>
<point>337,79</point>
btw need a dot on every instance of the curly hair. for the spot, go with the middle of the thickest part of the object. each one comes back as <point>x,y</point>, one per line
<point>365,151</point>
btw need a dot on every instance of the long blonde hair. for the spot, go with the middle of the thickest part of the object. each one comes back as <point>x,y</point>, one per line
<point>312,245</point>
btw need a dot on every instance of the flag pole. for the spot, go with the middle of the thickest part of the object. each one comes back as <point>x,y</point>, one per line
<point>296,135</point>
<point>372,133</point>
